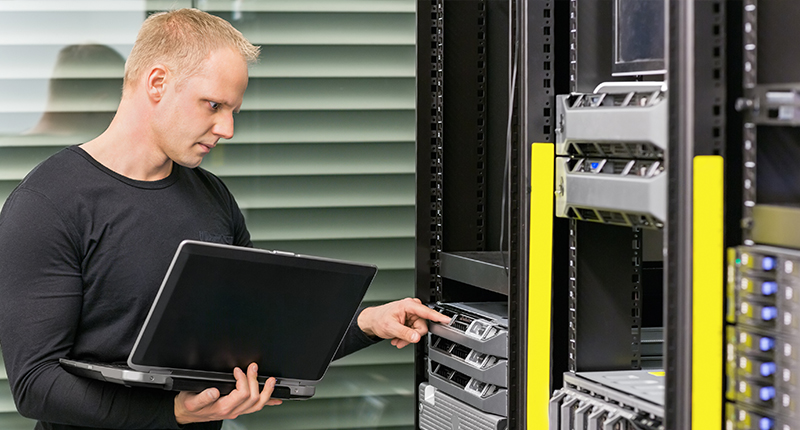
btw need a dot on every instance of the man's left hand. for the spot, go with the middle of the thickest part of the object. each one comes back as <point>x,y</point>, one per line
<point>403,321</point>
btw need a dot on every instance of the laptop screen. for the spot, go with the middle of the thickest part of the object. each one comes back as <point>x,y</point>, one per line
<point>223,306</point>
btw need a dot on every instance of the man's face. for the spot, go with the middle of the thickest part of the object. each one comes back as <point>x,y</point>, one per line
<point>190,119</point>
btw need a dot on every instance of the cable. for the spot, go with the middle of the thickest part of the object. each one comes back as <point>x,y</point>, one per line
<point>507,164</point>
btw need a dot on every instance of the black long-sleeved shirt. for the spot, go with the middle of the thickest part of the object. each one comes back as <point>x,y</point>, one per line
<point>82,254</point>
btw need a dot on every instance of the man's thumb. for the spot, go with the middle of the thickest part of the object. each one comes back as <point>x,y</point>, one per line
<point>203,399</point>
<point>410,335</point>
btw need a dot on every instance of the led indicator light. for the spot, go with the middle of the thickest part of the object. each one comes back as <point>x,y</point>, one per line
<point>766,393</point>
<point>595,165</point>
<point>768,313</point>
<point>767,369</point>
<point>765,423</point>
<point>769,288</point>
<point>768,263</point>
<point>766,344</point>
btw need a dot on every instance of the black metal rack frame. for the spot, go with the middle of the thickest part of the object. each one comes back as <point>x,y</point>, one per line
<point>472,180</point>
<point>486,80</point>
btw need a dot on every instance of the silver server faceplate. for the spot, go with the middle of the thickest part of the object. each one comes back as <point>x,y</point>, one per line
<point>439,411</point>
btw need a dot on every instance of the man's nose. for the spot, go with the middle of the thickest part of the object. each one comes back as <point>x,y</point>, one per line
<point>224,127</point>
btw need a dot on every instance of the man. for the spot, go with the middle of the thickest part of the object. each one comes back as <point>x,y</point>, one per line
<point>88,234</point>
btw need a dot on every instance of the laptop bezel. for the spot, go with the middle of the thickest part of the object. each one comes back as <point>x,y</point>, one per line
<point>161,301</point>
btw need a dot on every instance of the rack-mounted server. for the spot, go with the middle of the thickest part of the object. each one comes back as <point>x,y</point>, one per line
<point>467,367</point>
<point>609,400</point>
<point>610,147</point>
<point>763,363</point>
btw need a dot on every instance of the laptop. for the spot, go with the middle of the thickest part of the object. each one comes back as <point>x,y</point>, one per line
<point>223,306</point>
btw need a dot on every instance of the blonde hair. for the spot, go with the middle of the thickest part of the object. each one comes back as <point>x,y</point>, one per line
<point>180,40</point>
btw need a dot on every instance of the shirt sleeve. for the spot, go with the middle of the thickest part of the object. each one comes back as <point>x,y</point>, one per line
<point>354,339</point>
<point>41,296</point>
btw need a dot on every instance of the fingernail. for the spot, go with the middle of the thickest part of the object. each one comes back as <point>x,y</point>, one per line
<point>254,367</point>
<point>272,382</point>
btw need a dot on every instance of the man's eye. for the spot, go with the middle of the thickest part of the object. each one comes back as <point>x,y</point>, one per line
<point>214,105</point>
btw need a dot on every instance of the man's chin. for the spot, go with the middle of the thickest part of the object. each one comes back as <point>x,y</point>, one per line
<point>189,164</point>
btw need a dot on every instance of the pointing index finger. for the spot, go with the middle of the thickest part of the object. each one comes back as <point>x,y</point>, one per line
<point>430,314</point>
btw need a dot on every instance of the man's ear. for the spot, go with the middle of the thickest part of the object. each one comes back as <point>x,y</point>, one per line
<point>157,82</point>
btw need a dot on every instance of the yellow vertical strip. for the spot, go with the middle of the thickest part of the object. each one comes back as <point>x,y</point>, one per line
<point>707,294</point>
<point>539,284</point>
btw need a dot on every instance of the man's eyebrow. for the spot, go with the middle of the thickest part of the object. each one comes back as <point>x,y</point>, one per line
<point>236,109</point>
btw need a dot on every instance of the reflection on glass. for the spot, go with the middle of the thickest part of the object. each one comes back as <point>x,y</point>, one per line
<point>640,26</point>
<point>639,37</point>
<point>73,102</point>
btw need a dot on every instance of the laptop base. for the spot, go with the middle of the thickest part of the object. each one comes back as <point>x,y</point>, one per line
<point>122,374</point>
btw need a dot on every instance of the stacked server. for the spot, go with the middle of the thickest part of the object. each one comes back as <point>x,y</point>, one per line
<point>467,369</point>
<point>762,357</point>
<point>610,146</point>
<point>610,168</point>
<point>763,280</point>
<point>609,400</point>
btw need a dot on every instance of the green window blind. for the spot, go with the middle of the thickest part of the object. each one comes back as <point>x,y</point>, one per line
<point>322,161</point>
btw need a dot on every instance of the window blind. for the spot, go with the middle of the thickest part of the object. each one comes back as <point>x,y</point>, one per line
<point>322,161</point>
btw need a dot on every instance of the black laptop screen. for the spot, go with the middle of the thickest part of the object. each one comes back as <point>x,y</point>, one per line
<point>223,307</point>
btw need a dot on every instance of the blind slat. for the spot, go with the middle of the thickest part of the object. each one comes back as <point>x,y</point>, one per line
<point>45,6</point>
<point>251,160</point>
<point>290,61</point>
<point>14,421</point>
<point>312,159</point>
<point>338,94</point>
<point>382,352</point>
<point>326,126</point>
<point>391,285</point>
<point>326,28</point>
<point>68,27</point>
<point>335,61</point>
<point>103,95</point>
<point>251,127</point>
<point>387,254</point>
<point>378,6</point>
<point>377,380</point>
<point>317,191</point>
<point>330,223</point>
<point>16,162</point>
<point>6,400</point>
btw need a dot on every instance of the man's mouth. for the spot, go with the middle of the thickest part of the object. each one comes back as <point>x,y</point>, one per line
<point>208,146</point>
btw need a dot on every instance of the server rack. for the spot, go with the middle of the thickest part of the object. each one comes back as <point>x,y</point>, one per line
<point>610,276</point>
<point>676,136</point>
<point>762,391</point>
<point>611,183</point>
<point>486,79</point>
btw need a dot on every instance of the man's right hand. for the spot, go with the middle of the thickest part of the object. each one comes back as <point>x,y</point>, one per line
<point>209,406</point>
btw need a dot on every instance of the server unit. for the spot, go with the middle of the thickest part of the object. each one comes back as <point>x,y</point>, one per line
<point>468,359</point>
<point>762,337</point>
